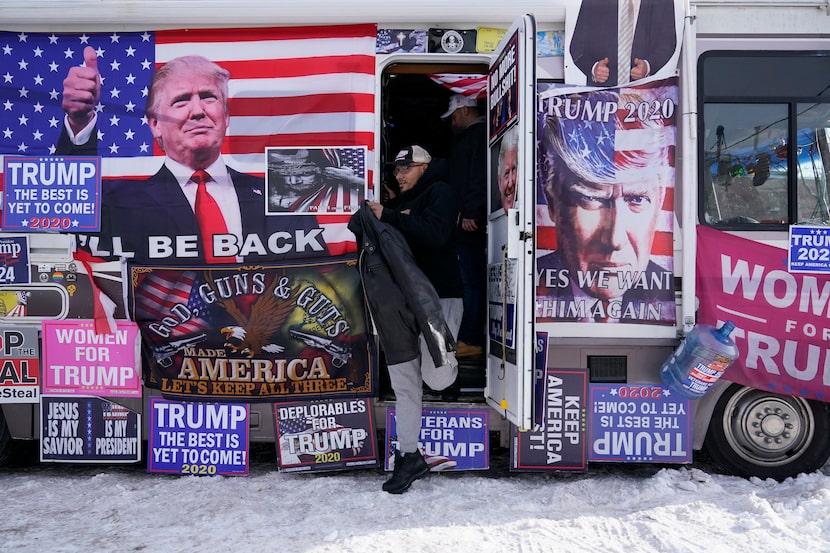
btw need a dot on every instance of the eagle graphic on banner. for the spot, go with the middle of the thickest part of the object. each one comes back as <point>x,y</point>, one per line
<point>253,332</point>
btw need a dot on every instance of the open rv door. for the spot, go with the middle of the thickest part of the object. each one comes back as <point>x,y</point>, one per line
<point>511,163</point>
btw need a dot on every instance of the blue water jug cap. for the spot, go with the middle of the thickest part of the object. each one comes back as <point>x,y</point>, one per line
<point>726,329</point>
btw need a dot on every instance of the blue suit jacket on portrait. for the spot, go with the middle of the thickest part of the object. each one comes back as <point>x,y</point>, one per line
<point>135,210</point>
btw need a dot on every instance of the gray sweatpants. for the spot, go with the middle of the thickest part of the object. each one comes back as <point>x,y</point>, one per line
<point>408,378</point>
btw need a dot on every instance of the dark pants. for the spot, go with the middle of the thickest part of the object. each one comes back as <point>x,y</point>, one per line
<point>473,260</point>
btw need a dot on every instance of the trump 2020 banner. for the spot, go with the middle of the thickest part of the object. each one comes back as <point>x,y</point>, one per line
<point>198,438</point>
<point>781,318</point>
<point>266,332</point>
<point>68,97</point>
<point>605,205</point>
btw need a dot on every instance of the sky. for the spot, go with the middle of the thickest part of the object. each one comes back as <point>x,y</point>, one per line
<point>611,508</point>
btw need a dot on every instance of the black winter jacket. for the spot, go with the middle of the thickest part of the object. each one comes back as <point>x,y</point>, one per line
<point>468,179</point>
<point>429,228</point>
<point>401,300</point>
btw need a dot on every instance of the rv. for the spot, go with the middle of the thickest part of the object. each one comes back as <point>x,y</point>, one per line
<point>738,233</point>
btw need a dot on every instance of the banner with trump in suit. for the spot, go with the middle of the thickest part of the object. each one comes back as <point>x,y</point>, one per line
<point>180,121</point>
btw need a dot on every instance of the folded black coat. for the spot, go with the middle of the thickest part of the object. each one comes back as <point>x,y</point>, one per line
<point>401,299</point>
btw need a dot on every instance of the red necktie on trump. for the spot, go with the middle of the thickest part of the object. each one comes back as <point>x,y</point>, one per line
<point>209,217</point>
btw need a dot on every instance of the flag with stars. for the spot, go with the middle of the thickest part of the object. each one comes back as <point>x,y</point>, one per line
<point>31,86</point>
<point>291,86</point>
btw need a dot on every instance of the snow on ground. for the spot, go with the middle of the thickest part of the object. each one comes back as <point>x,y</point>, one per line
<point>613,508</point>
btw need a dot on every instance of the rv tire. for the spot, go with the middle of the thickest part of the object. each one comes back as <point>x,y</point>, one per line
<point>759,433</point>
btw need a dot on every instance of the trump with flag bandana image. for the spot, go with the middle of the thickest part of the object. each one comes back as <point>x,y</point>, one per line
<point>610,173</point>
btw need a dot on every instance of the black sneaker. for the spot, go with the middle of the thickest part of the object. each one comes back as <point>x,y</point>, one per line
<point>408,468</point>
<point>451,392</point>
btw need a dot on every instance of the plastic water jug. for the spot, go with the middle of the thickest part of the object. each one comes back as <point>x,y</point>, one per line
<point>700,360</point>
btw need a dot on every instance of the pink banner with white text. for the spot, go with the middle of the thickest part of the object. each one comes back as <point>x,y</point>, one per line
<point>77,360</point>
<point>782,318</point>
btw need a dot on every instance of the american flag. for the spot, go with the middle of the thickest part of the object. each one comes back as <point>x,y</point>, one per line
<point>289,86</point>
<point>468,85</point>
<point>160,291</point>
<point>31,85</point>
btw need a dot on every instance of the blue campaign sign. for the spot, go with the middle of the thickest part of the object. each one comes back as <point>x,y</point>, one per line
<point>451,439</point>
<point>558,439</point>
<point>52,193</point>
<point>198,438</point>
<point>84,429</point>
<point>809,250</point>
<point>638,423</point>
<point>14,260</point>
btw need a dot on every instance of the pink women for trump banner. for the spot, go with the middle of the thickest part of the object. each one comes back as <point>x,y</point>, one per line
<point>78,360</point>
<point>782,318</point>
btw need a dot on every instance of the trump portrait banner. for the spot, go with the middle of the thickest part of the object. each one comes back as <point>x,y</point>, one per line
<point>605,203</point>
<point>289,87</point>
<point>267,332</point>
<point>782,319</point>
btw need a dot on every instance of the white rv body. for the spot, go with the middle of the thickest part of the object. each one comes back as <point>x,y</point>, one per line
<point>710,25</point>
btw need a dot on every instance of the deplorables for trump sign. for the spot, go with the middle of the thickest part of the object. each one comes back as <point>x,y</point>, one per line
<point>782,318</point>
<point>631,423</point>
<point>558,443</point>
<point>88,430</point>
<point>294,331</point>
<point>451,439</point>
<point>77,360</point>
<point>326,435</point>
<point>201,439</point>
<point>19,375</point>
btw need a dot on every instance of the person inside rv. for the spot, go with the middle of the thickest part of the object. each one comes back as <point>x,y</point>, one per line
<point>468,179</point>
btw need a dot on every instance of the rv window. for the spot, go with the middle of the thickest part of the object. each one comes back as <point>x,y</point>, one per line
<point>762,147</point>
